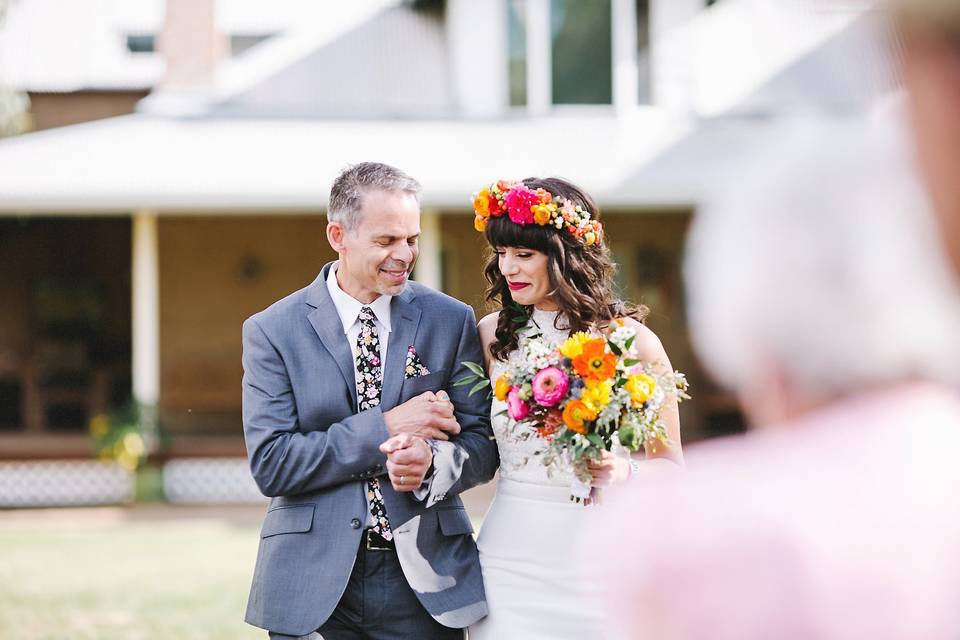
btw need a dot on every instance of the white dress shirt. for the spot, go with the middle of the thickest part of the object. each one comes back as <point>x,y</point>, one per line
<point>348,308</point>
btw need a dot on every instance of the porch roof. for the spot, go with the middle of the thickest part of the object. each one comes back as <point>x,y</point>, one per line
<point>234,165</point>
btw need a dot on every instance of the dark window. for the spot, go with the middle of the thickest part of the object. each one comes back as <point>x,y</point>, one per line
<point>517,52</point>
<point>643,51</point>
<point>582,56</point>
<point>11,414</point>
<point>141,43</point>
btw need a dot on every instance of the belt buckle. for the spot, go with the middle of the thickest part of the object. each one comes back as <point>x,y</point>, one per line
<point>375,542</point>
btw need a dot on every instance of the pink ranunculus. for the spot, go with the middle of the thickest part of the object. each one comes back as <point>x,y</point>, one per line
<point>518,202</point>
<point>550,386</point>
<point>517,408</point>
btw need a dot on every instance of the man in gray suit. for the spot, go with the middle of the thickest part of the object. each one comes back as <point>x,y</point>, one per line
<point>350,430</point>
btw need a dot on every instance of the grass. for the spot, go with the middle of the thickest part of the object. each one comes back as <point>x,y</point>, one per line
<point>108,578</point>
<point>135,573</point>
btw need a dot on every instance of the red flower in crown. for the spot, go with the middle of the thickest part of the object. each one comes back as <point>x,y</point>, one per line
<point>519,200</point>
<point>494,206</point>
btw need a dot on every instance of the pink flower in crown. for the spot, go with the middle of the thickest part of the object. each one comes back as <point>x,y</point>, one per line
<point>550,386</point>
<point>517,408</point>
<point>518,201</point>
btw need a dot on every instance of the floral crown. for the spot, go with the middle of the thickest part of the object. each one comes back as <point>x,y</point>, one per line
<point>525,206</point>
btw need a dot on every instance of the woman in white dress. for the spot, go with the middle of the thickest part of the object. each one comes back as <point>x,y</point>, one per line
<point>550,273</point>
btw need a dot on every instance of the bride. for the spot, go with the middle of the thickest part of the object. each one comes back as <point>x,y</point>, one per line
<point>550,273</point>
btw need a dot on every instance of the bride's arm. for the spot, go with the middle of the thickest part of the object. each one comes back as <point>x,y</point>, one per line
<point>660,456</point>
<point>649,350</point>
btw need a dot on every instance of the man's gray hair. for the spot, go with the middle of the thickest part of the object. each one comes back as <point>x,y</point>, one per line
<point>823,263</point>
<point>346,194</point>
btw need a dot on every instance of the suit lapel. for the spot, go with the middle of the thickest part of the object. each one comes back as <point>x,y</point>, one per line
<point>404,322</point>
<point>327,324</point>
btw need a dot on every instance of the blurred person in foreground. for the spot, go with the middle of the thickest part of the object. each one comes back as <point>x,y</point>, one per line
<point>930,31</point>
<point>817,295</point>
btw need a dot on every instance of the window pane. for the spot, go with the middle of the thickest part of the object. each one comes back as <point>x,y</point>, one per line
<point>140,43</point>
<point>581,51</point>
<point>517,53</point>
<point>643,51</point>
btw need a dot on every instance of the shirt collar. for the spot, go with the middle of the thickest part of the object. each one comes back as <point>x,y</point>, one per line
<point>348,307</point>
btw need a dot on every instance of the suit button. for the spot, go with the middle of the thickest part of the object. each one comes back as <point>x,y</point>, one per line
<point>355,523</point>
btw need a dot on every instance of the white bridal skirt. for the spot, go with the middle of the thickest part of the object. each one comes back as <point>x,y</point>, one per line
<point>532,548</point>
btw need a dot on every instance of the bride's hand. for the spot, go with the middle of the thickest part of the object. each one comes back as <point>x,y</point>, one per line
<point>609,470</point>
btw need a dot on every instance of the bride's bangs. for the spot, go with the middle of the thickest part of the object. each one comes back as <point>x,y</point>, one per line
<point>502,232</point>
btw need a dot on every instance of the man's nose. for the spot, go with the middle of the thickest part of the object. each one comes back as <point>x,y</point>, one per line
<point>402,252</point>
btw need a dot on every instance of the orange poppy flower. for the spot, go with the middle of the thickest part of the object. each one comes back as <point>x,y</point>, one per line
<point>575,414</point>
<point>595,363</point>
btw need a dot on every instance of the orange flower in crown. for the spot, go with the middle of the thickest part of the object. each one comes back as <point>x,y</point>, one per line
<point>524,206</point>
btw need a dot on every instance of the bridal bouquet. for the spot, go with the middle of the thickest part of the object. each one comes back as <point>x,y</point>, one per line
<point>584,395</point>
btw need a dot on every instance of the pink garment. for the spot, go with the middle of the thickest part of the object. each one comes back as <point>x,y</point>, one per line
<point>845,524</point>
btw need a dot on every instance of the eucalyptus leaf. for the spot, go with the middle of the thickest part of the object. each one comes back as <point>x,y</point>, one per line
<point>480,385</point>
<point>475,368</point>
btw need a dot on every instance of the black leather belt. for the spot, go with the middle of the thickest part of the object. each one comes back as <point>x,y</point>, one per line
<point>373,541</point>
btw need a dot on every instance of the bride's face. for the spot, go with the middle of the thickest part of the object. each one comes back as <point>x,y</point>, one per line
<point>526,273</point>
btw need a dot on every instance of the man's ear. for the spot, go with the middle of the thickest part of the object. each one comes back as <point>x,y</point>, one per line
<point>335,233</point>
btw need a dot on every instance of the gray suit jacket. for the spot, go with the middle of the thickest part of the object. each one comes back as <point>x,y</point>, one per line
<point>311,451</point>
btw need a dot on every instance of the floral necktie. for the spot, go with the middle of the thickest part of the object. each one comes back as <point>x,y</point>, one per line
<point>368,396</point>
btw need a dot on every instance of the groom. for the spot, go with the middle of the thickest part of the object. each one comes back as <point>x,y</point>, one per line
<point>350,430</point>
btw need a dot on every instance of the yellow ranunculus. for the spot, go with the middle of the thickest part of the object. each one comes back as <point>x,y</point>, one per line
<point>596,395</point>
<point>481,203</point>
<point>640,387</point>
<point>502,387</point>
<point>479,223</point>
<point>543,212</point>
<point>573,346</point>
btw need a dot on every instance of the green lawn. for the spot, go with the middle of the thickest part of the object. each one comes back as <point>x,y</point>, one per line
<point>109,576</point>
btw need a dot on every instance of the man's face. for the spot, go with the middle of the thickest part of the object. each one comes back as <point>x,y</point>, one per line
<point>932,73</point>
<point>378,256</point>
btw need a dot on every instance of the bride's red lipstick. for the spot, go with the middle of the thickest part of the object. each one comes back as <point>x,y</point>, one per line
<point>516,286</point>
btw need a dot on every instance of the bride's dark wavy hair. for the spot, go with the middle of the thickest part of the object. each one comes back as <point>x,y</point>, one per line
<point>581,276</point>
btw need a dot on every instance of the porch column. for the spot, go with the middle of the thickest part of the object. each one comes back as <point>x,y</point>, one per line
<point>146,309</point>
<point>539,61</point>
<point>428,271</point>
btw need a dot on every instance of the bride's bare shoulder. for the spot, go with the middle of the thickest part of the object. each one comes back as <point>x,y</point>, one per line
<point>487,327</point>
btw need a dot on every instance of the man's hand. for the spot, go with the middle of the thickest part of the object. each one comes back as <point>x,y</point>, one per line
<point>408,460</point>
<point>429,415</point>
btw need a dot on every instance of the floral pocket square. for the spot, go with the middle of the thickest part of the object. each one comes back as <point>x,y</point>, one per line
<point>415,367</point>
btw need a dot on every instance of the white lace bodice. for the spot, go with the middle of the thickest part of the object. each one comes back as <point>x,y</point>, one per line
<point>518,456</point>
